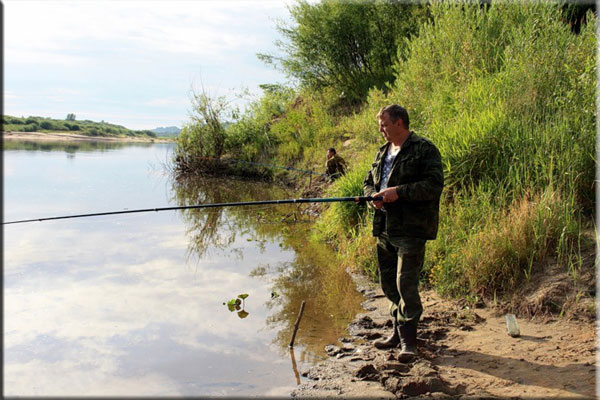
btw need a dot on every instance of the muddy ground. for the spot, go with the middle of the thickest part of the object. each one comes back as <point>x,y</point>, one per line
<point>465,353</point>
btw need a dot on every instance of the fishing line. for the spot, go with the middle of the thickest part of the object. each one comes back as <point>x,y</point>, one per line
<point>357,199</point>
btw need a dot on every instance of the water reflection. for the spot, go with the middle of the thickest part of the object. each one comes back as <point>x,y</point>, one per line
<point>312,275</point>
<point>69,146</point>
<point>133,304</point>
<point>217,228</point>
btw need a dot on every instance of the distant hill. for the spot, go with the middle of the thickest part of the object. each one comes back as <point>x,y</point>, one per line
<point>167,131</point>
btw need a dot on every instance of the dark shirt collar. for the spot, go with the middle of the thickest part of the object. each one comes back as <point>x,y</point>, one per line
<point>412,137</point>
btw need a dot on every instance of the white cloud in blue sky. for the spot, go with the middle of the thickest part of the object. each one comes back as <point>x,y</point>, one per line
<point>133,62</point>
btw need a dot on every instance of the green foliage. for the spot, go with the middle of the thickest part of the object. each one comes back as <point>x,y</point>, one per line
<point>347,226</point>
<point>203,138</point>
<point>340,218</point>
<point>507,94</point>
<point>307,129</point>
<point>485,249</point>
<point>46,125</point>
<point>8,120</point>
<point>575,14</point>
<point>250,136</point>
<point>87,127</point>
<point>349,46</point>
<point>238,305</point>
<point>70,117</point>
<point>505,91</point>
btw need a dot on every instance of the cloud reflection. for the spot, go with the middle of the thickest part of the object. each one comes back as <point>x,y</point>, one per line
<point>133,305</point>
<point>101,306</point>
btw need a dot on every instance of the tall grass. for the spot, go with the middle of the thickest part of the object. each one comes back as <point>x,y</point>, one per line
<point>346,226</point>
<point>507,95</point>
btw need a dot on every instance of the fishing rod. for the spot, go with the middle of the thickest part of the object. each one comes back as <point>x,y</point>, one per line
<point>357,199</point>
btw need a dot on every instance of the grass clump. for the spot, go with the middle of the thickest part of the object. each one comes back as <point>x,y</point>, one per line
<point>506,92</point>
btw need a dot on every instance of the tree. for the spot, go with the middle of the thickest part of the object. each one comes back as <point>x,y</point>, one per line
<point>46,125</point>
<point>70,117</point>
<point>350,46</point>
<point>575,13</point>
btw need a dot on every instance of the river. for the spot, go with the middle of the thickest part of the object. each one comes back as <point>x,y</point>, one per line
<point>136,304</point>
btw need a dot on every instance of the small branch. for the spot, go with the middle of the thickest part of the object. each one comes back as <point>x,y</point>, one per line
<point>297,323</point>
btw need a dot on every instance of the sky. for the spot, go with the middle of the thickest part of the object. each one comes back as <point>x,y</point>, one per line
<point>134,63</point>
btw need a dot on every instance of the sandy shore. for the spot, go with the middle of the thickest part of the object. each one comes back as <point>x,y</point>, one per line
<point>464,354</point>
<point>60,136</point>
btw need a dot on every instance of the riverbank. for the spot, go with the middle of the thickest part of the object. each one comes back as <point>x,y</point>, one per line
<point>61,136</point>
<point>465,350</point>
<point>465,353</point>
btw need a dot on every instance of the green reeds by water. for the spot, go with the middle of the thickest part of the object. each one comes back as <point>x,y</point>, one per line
<point>507,93</point>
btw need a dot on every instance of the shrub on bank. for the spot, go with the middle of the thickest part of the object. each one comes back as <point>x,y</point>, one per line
<point>507,94</point>
<point>86,127</point>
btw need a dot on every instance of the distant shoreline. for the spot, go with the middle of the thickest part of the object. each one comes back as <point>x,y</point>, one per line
<point>59,136</point>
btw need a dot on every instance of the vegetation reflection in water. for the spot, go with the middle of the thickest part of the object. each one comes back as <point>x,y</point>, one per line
<point>69,146</point>
<point>314,275</point>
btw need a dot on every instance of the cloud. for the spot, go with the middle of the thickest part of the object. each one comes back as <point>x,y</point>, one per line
<point>168,101</point>
<point>130,59</point>
<point>9,95</point>
<point>25,379</point>
<point>71,32</point>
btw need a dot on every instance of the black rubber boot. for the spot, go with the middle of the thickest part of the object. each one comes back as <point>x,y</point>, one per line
<point>390,342</point>
<point>408,341</point>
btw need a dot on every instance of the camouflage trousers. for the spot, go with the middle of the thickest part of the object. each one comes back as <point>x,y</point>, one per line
<point>400,264</point>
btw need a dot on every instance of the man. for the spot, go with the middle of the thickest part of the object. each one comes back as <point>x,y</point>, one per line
<point>408,174</point>
<point>335,165</point>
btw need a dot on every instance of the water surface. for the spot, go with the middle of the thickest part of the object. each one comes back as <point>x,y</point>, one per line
<point>133,304</point>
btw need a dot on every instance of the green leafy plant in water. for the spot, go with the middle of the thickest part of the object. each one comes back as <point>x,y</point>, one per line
<point>233,304</point>
<point>237,304</point>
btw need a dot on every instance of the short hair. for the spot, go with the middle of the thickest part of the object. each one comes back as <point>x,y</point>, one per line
<point>395,112</point>
<point>331,149</point>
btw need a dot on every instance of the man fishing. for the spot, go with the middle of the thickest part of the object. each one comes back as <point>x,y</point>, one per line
<point>335,165</point>
<point>408,174</point>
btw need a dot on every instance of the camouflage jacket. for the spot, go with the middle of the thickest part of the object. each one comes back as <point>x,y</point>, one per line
<point>335,167</point>
<point>418,176</point>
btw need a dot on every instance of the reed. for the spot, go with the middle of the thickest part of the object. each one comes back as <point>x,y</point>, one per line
<point>507,95</point>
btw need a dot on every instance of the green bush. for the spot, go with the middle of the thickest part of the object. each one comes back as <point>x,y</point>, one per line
<point>46,125</point>
<point>506,92</point>
<point>250,136</point>
<point>347,47</point>
<point>30,128</point>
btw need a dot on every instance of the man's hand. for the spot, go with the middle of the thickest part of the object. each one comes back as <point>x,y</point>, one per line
<point>389,196</point>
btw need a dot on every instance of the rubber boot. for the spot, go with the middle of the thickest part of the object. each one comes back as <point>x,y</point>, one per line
<point>408,341</point>
<point>390,342</point>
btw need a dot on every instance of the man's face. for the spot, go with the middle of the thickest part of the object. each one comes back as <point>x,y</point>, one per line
<point>390,130</point>
<point>329,154</point>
